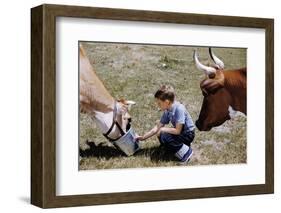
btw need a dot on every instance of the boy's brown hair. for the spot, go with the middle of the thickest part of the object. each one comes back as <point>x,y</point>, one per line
<point>165,92</point>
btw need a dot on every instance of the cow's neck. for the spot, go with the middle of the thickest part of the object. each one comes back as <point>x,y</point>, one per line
<point>93,94</point>
<point>94,97</point>
<point>237,89</point>
<point>99,98</point>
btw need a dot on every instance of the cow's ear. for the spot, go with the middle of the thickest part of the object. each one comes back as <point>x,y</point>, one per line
<point>130,102</point>
<point>126,102</point>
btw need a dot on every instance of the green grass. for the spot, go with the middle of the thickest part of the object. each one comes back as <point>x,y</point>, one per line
<point>135,72</point>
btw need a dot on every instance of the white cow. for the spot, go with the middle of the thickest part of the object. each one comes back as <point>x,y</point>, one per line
<point>111,115</point>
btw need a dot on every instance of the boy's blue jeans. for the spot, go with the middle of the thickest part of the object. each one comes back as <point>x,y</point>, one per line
<point>173,143</point>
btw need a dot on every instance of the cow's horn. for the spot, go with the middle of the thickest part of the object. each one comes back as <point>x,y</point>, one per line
<point>206,69</point>
<point>216,60</point>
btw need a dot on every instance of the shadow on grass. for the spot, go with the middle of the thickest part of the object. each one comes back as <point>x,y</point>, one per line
<point>156,154</point>
<point>99,151</point>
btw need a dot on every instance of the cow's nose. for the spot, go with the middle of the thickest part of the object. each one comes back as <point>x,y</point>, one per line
<point>130,120</point>
<point>198,125</point>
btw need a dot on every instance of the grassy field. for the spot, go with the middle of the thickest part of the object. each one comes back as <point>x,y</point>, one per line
<point>135,72</point>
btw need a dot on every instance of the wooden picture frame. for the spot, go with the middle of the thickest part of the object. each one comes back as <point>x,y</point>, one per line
<point>43,105</point>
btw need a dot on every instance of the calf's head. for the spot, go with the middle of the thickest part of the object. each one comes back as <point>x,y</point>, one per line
<point>123,117</point>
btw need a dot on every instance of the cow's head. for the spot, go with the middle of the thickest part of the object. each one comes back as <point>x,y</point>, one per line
<point>214,110</point>
<point>123,117</point>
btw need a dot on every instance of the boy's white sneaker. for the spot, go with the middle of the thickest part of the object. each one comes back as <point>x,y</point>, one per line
<point>184,154</point>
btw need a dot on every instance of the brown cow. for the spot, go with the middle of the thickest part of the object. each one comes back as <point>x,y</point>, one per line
<point>111,116</point>
<point>223,91</point>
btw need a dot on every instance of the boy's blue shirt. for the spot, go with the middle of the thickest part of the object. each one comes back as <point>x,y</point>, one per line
<point>178,114</point>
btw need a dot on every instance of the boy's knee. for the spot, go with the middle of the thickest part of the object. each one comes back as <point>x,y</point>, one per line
<point>164,137</point>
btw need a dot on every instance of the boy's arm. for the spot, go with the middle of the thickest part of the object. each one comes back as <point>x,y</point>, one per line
<point>152,132</point>
<point>171,130</point>
<point>180,120</point>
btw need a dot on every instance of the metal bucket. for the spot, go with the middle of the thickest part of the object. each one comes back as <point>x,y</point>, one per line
<point>127,143</point>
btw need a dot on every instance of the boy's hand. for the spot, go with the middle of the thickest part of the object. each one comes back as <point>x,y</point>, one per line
<point>139,137</point>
